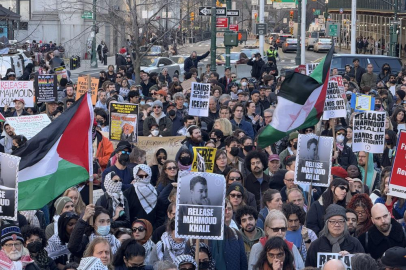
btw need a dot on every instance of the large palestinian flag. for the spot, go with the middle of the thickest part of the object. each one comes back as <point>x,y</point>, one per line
<point>58,157</point>
<point>300,103</point>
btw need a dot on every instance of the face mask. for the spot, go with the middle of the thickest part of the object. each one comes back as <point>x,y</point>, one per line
<point>377,107</point>
<point>155,132</point>
<point>340,138</point>
<point>13,147</point>
<point>393,81</point>
<point>100,122</point>
<point>185,104</point>
<point>160,160</point>
<point>34,247</point>
<point>248,148</point>
<point>349,97</point>
<point>389,141</point>
<point>142,102</point>
<point>244,83</point>
<point>185,160</point>
<point>149,103</point>
<point>234,151</point>
<point>295,145</point>
<point>124,159</point>
<point>103,230</point>
<point>204,265</point>
<point>172,113</point>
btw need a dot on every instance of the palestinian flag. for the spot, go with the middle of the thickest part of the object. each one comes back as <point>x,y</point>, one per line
<point>2,119</point>
<point>300,103</point>
<point>58,157</point>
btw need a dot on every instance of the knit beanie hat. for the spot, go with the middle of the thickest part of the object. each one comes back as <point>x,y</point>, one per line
<point>235,186</point>
<point>293,135</point>
<point>10,232</point>
<point>60,203</point>
<point>335,210</point>
<point>157,103</point>
<point>401,94</point>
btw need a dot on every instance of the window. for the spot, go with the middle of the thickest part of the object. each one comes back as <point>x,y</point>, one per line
<point>165,61</point>
<point>378,62</point>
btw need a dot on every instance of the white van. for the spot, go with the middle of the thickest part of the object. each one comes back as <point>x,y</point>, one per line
<point>312,37</point>
<point>17,61</point>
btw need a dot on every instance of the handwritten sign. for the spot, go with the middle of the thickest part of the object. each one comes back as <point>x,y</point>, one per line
<point>208,154</point>
<point>46,88</point>
<point>12,90</point>
<point>83,87</point>
<point>361,103</point>
<point>28,125</point>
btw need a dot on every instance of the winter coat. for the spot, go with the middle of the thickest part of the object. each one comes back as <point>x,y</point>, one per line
<point>315,217</point>
<point>162,206</point>
<point>245,126</point>
<point>256,67</point>
<point>252,184</point>
<point>368,80</point>
<point>136,211</point>
<point>347,157</point>
<point>192,63</point>
<point>107,203</point>
<point>104,150</point>
<point>358,74</point>
<point>268,68</point>
<point>164,123</point>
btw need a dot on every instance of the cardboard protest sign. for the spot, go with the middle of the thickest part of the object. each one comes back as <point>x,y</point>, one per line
<point>313,160</point>
<point>83,87</point>
<point>334,106</point>
<point>362,103</point>
<point>61,72</point>
<point>199,99</point>
<point>9,186</point>
<point>208,155</point>
<point>188,83</point>
<point>200,205</point>
<point>12,90</point>
<point>323,257</point>
<point>123,122</point>
<point>397,184</point>
<point>369,132</point>
<point>46,88</point>
<point>28,125</point>
<point>310,67</point>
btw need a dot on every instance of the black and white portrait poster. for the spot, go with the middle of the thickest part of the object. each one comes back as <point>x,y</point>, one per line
<point>313,160</point>
<point>200,205</point>
<point>9,186</point>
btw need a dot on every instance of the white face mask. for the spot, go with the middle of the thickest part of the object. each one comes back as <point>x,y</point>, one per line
<point>149,103</point>
<point>340,138</point>
<point>155,132</point>
<point>244,83</point>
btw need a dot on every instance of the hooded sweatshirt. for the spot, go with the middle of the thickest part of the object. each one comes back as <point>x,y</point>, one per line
<point>248,243</point>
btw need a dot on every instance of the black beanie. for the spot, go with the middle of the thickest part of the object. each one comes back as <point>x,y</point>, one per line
<point>401,94</point>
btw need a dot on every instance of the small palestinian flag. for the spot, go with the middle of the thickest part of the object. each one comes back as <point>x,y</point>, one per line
<point>300,103</point>
<point>2,119</point>
<point>58,157</point>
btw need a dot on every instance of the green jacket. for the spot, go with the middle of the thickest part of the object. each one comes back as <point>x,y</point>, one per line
<point>368,80</point>
<point>249,243</point>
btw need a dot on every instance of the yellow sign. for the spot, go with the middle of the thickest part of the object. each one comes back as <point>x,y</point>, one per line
<point>209,155</point>
<point>83,86</point>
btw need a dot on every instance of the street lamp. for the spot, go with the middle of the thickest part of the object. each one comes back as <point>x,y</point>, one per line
<point>93,61</point>
<point>299,27</point>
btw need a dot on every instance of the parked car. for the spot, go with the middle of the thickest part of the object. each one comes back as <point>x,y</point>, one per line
<point>281,39</point>
<point>236,58</point>
<point>290,45</point>
<point>312,37</point>
<point>322,44</point>
<point>155,50</point>
<point>180,60</point>
<point>156,64</point>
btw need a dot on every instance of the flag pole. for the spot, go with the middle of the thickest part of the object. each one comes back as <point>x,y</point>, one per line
<point>366,168</point>
<point>197,253</point>
<point>89,87</point>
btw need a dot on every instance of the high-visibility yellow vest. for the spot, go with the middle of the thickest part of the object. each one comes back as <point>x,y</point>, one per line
<point>270,53</point>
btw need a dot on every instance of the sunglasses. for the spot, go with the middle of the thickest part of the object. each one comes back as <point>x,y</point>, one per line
<point>140,229</point>
<point>118,77</point>
<point>156,107</point>
<point>142,176</point>
<point>125,152</point>
<point>171,168</point>
<point>282,229</point>
<point>233,77</point>
<point>343,188</point>
<point>238,196</point>
<point>340,133</point>
<point>235,178</point>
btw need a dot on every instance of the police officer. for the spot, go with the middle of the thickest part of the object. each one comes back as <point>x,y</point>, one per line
<point>271,52</point>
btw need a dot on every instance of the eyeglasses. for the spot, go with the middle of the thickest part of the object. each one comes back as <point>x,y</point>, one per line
<point>275,256</point>
<point>235,178</point>
<point>156,107</point>
<point>125,152</point>
<point>238,196</point>
<point>16,245</point>
<point>142,176</point>
<point>118,77</point>
<point>336,222</point>
<point>343,188</point>
<point>289,180</point>
<point>282,229</point>
<point>360,213</point>
<point>171,168</point>
<point>140,229</point>
<point>137,266</point>
<point>309,130</point>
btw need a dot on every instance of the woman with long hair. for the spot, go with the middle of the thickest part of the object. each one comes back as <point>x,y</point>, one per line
<point>142,231</point>
<point>361,204</point>
<point>234,175</point>
<point>224,125</point>
<point>74,194</point>
<point>275,256</point>
<point>169,175</point>
<point>398,120</point>
<point>390,148</point>
<point>131,255</point>
<point>271,199</point>
<point>206,261</point>
<point>335,194</point>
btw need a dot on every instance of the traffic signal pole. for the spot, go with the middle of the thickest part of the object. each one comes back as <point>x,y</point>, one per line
<point>299,24</point>
<point>261,20</point>
<point>228,48</point>
<point>213,36</point>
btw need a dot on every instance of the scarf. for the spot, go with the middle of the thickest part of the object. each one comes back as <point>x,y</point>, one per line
<point>371,171</point>
<point>146,193</point>
<point>91,263</point>
<point>55,249</point>
<point>148,233</point>
<point>334,241</point>
<point>184,168</point>
<point>340,146</point>
<point>167,243</point>
<point>7,264</point>
<point>114,191</point>
<point>114,242</point>
<point>31,217</point>
<point>212,264</point>
<point>56,218</point>
<point>42,259</point>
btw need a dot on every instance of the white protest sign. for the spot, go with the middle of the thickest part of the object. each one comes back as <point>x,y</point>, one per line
<point>369,132</point>
<point>310,67</point>
<point>323,257</point>
<point>339,80</point>
<point>12,90</point>
<point>9,186</point>
<point>200,205</point>
<point>28,125</point>
<point>199,99</point>
<point>334,106</point>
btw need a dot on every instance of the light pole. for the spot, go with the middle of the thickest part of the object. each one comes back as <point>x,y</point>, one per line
<point>93,61</point>
<point>213,36</point>
<point>299,26</point>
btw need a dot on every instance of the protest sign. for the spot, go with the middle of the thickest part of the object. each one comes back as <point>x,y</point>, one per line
<point>9,186</point>
<point>28,125</point>
<point>83,87</point>
<point>310,67</point>
<point>313,160</point>
<point>123,122</point>
<point>199,99</point>
<point>339,80</point>
<point>362,103</point>
<point>397,184</point>
<point>61,72</point>
<point>12,90</point>
<point>334,106</point>
<point>200,205</point>
<point>186,85</point>
<point>369,132</point>
<point>323,257</point>
<point>46,88</point>
<point>208,155</point>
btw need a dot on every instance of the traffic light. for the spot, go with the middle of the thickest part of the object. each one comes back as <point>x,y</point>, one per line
<point>291,15</point>
<point>255,16</point>
<point>192,16</point>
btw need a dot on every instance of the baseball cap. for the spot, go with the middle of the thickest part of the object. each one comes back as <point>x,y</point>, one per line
<point>21,100</point>
<point>273,157</point>
<point>395,257</point>
<point>161,92</point>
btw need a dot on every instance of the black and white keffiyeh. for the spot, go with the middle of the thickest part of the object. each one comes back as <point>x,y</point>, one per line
<point>114,242</point>
<point>146,193</point>
<point>182,259</point>
<point>91,263</point>
<point>167,243</point>
<point>114,191</point>
<point>55,248</point>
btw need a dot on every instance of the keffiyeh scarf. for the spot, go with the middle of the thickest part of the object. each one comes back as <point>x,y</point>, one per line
<point>114,242</point>
<point>31,217</point>
<point>146,193</point>
<point>7,264</point>
<point>42,259</point>
<point>114,191</point>
<point>55,248</point>
<point>167,243</point>
<point>91,263</point>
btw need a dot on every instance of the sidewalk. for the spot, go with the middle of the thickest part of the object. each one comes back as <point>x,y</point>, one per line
<point>86,69</point>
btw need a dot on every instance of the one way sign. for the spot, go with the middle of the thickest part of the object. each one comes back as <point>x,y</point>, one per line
<point>233,12</point>
<point>206,11</point>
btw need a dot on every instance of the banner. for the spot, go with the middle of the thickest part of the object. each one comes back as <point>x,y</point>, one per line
<point>123,122</point>
<point>28,125</point>
<point>82,87</point>
<point>397,184</point>
<point>310,67</point>
<point>339,80</point>
<point>334,106</point>
<point>61,72</point>
<point>199,99</point>
<point>369,132</point>
<point>323,257</point>
<point>9,186</point>
<point>200,205</point>
<point>46,88</point>
<point>12,90</point>
<point>313,160</point>
<point>208,155</point>
<point>362,103</point>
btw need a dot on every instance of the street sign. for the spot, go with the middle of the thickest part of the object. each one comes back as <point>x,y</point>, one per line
<point>261,28</point>
<point>316,12</point>
<point>222,22</point>
<point>234,27</point>
<point>341,11</point>
<point>333,29</point>
<point>233,13</point>
<point>291,24</point>
<point>285,20</point>
<point>206,11</point>
<point>87,15</point>
<point>284,4</point>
